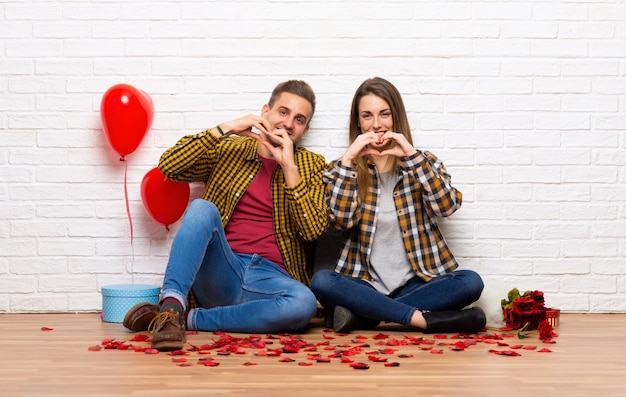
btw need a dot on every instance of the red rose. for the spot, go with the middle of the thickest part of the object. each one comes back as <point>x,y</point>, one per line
<point>525,309</point>
<point>537,296</point>
<point>524,306</point>
<point>513,319</point>
<point>545,330</point>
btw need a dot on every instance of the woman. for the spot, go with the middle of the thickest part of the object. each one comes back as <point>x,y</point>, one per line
<point>395,265</point>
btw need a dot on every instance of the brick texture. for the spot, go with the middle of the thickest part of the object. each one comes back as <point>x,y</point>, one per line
<point>524,102</point>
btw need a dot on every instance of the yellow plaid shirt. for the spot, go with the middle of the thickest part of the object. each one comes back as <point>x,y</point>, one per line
<point>422,192</point>
<point>227,166</point>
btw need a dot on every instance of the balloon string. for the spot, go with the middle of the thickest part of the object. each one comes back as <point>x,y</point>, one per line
<point>132,265</point>
<point>130,220</point>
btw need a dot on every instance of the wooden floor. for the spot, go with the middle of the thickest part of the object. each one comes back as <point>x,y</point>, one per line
<point>588,359</point>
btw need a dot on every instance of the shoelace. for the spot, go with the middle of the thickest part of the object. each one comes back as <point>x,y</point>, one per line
<point>161,318</point>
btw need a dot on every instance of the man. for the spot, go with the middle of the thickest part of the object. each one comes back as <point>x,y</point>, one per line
<point>241,250</point>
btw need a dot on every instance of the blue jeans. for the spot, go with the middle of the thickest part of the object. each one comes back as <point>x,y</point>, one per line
<point>236,292</point>
<point>451,291</point>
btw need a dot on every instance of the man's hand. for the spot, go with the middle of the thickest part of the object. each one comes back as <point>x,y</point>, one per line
<point>280,145</point>
<point>243,126</point>
<point>277,142</point>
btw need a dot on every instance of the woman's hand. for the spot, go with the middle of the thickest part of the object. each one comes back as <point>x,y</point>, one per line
<point>359,148</point>
<point>390,143</point>
<point>400,148</point>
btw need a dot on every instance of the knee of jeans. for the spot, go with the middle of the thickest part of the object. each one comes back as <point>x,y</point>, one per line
<point>200,211</point>
<point>200,205</point>
<point>475,282</point>
<point>321,279</point>
<point>302,306</point>
<point>307,302</point>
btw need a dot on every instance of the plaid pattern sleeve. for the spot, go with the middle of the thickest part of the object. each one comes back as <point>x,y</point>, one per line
<point>348,213</point>
<point>191,159</point>
<point>439,195</point>
<point>342,194</point>
<point>422,193</point>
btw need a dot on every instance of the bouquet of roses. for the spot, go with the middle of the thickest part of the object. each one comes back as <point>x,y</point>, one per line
<point>523,311</point>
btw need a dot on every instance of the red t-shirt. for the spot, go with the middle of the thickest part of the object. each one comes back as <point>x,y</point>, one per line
<point>251,226</point>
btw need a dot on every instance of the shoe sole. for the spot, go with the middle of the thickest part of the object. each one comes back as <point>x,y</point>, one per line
<point>169,344</point>
<point>129,314</point>
<point>342,319</point>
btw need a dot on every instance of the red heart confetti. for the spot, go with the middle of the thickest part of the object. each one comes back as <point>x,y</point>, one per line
<point>309,353</point>
<point>360,366</point>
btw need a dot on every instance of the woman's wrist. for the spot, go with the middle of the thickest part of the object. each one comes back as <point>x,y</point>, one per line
<point>346,161</point>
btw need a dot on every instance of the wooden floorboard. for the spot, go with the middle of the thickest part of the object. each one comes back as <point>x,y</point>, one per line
<point>588,359</point>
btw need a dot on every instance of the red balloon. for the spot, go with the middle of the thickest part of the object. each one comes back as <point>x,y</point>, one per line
<point>126,115</point>
<point>164,199</point>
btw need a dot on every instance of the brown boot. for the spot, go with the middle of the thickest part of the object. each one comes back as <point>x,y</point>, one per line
<point>168,331</point>
<point>139,317</point>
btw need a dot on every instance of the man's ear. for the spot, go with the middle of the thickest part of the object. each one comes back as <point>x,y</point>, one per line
<point>265,109</point>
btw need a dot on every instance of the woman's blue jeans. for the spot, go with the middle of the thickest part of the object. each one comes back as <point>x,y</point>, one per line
<point>451,291</point>
<point>236,292</point>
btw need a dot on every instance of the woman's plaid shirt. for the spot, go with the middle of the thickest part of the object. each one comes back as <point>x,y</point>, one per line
<point>228,165</point>
<point>422,192</point>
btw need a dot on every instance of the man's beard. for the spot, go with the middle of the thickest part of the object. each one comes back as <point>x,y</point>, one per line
<point>270,138</point>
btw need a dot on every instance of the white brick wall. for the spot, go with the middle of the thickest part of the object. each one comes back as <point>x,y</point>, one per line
<point>523,101</point>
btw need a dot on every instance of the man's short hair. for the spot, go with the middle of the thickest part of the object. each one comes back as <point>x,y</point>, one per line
<point>296,87</point>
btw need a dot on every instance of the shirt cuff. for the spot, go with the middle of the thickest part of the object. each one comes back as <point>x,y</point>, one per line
<point>345,172</point>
